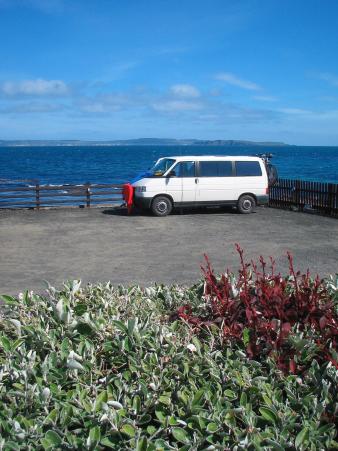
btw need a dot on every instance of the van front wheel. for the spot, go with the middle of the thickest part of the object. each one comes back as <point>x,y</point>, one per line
<point>246,204</point>
<point>161,206</point>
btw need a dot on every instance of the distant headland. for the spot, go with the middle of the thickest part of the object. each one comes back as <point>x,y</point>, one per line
<point>140,142</point>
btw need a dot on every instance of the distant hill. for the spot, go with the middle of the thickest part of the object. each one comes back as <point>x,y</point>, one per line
<point>231,142</point>
<point>140,142</point>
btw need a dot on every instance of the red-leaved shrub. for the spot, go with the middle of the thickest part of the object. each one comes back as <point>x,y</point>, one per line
<point>292,319</point>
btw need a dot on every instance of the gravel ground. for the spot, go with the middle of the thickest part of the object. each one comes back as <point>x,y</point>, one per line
<point>105,244</point>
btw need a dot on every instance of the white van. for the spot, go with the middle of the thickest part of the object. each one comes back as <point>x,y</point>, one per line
<point>195,181</point>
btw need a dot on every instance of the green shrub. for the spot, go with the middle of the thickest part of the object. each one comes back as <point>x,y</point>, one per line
<point>110,368</point>
<point>293,319</point>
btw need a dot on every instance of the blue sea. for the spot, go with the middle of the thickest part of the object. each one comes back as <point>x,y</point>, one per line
<point>119,164</point>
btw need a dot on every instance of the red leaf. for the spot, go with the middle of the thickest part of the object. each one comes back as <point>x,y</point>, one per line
<point>322,322</point>
<point>286,327</point>
<point>184,309</point>
<point>274,325</point>
<point>250,350</point>
<point>249,314</point>
<point>292,366</point>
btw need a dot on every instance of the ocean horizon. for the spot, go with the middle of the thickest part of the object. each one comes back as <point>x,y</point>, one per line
<point>119,164</point>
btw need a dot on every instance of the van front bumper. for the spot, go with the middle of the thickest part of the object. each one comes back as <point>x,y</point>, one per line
<point>142,202</point>
<point>262,200</point>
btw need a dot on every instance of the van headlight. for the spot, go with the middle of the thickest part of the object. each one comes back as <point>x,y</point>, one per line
<point>140,189</point>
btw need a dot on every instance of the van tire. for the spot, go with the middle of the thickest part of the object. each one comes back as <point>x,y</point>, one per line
<point>161,206</point>
<point>246,204</point>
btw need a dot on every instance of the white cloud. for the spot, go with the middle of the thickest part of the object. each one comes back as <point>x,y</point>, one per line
<point>265,98</point>
<point>208,117</point>
<point>36,107</point>
<point>296,111</point>
<point>114,72</point>
<point>185,91</point>
<point>176,105</point>
<point>309,115</point>
<point>215,92</point>
<point>330,78</point>
<point>110,102</point>
<point>99,107</point>
<point>94,107</point>
<point>232,79</point>
<point>38,87</point>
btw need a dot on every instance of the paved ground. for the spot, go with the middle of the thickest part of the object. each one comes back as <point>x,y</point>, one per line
<point>101,245</point>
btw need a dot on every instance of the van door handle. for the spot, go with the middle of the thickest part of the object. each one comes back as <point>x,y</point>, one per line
<point>196,180</point>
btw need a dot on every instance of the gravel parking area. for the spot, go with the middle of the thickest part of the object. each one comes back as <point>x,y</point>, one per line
<point>105,244</point>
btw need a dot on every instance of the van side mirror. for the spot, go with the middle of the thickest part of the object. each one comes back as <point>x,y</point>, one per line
<point>172,174</point>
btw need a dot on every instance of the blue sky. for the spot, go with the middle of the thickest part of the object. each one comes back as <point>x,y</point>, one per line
<point>112,69</point>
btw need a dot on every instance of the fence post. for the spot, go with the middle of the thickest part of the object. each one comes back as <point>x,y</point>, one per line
<point>297,195</point>
<point>332,199</point>
<point>37,195</point>
<point>88,194</point>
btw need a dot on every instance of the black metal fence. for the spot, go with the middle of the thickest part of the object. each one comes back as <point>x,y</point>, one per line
<point>317,197</point>
<point>34,195</point>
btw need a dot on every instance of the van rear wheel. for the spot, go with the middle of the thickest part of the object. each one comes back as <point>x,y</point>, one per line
<point>246,204</point>
<point>161,206</point>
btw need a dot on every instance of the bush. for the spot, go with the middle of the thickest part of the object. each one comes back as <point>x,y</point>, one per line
<point>110,368</point>
<point>294,319</point>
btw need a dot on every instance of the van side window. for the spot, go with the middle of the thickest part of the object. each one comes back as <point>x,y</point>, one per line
<point>185,169</point>
<point>215,169</point>
<point>248,168</point>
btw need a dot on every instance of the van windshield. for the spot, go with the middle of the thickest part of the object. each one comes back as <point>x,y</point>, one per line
<point>161,167</point>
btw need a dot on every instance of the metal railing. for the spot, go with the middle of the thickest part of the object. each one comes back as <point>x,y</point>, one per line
<point>302,195</point>
<point>39,196</point>
<point>317,197</point>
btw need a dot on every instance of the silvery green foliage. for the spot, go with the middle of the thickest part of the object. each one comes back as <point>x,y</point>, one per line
<point>104,367</point>
<point>332,285</point>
